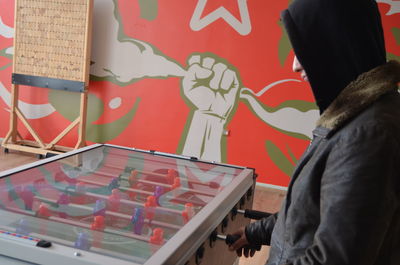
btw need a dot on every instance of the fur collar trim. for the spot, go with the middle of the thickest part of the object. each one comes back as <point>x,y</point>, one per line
<point>361,93</point>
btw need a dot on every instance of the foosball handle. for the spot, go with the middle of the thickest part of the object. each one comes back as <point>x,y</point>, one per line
<point>256,215</point>
<point>230,239</point>
<point>252,214</point>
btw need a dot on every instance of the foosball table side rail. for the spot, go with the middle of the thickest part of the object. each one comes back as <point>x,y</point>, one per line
<point>193,244</point>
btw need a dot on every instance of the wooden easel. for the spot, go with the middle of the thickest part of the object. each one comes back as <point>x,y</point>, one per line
<point>51,49</point>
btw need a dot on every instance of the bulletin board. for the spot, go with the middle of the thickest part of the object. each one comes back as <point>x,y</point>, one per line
<point>51,49</point>
<point>52,43</point>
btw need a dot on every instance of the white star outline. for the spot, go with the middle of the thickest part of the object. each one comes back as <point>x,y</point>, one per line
<point>243,28</point>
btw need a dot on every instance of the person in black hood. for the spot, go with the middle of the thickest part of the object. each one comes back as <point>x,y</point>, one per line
<point>343,201</point>
<point>335,41</point>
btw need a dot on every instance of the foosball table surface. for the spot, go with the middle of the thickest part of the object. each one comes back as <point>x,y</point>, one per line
<point>103,204</point>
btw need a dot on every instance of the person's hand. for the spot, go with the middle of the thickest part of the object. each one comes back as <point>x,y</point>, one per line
<point>241,246</point>
<point>211,84</point>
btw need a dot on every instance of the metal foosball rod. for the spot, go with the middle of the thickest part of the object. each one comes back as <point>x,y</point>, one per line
<point>203,193</point>
<point>111,213</point>
<point>148,193</point>
<point>123,201</point>
<point>172,182</point>
<point>79,224</point>
<point>175,185</point>
<point>157,238</point>
<point>230,239</point>
<point>170,175</point>
<point>252,214</point>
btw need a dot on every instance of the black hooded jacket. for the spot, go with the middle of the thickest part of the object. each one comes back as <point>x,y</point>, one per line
<point>343,202</point>
<point>335,40</point>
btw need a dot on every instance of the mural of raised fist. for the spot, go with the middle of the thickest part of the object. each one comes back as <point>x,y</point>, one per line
<point>211,89</point>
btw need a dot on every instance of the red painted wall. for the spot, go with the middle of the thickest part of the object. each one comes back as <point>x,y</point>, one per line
<point>138,96</point>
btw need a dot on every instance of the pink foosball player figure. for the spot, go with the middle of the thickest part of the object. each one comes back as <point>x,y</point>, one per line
<point>158,236</point>
<point>149,207</point>
<point>188,213</point>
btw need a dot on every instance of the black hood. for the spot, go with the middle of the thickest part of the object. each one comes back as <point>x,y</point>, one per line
<point>335,41</point>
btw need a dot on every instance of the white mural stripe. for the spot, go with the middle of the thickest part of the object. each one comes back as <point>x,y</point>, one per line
<point>6,31</point>
<point>265,89</point>
<point>30,111</point>
<point>394,6</point>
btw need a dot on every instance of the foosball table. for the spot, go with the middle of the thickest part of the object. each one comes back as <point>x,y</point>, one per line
<point>107,204</point>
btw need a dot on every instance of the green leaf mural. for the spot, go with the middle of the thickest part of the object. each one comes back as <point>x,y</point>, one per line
<point>391,56</point>
<point>284,46</point>
<point>280,160</point>
<point>3,53</point>
<point>67,104</point>
<point>102,133</point>
<point>396,34</point>
<point>292,156</point>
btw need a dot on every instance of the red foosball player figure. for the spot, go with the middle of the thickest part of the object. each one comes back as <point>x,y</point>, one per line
<point>177,183</point>
<point>98,223</point>
<point>149,207</point>
<point>27,196</point>
<point>158,236</point>
<point>80,188</point>
<point>133,177</point>
<point>132,195</point>
<point>97,226</point>
<point>43,211</point>
<point>175,186</point>
<point>114,200</point>
<point>188,213</point>
<point>171,175</point>
<point>79,196</point>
